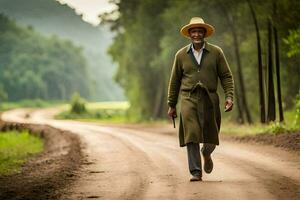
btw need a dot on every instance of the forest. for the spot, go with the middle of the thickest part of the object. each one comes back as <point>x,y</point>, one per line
<point>33,66</point>
<point>51,17</point>
<point>261,40</point>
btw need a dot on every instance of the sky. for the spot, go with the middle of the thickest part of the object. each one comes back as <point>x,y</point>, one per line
<point>90,9</point>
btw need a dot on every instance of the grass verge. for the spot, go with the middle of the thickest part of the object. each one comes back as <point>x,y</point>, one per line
<point>15,149</point>
<point>30,103</point>
<point>102,112</point>
<point>289,125</point>
<point>116,113</point>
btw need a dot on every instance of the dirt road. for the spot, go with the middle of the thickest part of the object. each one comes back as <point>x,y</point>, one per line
<point>147,163</point>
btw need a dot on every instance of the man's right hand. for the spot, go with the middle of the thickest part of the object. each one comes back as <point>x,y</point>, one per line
<point>172,112</point>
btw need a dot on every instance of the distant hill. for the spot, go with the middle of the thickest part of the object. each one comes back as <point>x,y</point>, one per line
<point>50,17</point>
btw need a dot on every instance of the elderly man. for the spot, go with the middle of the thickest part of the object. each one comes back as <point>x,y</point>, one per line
<point>194,75</point>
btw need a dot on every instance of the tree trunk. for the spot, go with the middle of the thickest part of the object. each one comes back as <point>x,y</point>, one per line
<point>159,108</point>
<point>239,71</point>
<point>241,92</point>
<point>271,94</point>
<point>240,117</point>
<point>260,68</point>
<point>277,65</point>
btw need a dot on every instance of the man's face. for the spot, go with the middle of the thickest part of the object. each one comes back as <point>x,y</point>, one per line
<point>197,35</point>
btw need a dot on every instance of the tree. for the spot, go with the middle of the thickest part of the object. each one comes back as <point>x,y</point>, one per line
<point>260,68</point>
<point>3,95</point>
<point>242,104</point>
<point>135,50</point>
<point>33,66</point>
<point>277,65</point>
<point>271,94</point>
<point>147,38</point>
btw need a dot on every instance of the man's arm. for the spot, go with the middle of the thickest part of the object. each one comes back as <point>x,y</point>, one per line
<point>226,79</point>
<point>174,86</point>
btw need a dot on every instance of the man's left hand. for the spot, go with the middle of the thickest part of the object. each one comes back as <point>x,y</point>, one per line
<point>228,105</point>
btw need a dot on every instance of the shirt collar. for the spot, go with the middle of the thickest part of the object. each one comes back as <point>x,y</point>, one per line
<point>191,47</point>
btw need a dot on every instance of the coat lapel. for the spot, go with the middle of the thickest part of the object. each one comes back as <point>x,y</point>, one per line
<point>193,58</point>
<point>190,52</point>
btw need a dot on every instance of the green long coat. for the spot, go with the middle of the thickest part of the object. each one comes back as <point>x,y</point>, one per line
<point>200,116</point>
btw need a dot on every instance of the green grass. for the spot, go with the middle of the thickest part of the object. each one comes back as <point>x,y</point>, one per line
<point>290,119</point>
<point>230,128</point>
<point>35,103</point>
<point>102,116</point>
<point>116,112</point>
<point>102,112</point>
<point>106,112</point>
<point>113,105</point>
<point>289,125</point>
<point>15,149</point>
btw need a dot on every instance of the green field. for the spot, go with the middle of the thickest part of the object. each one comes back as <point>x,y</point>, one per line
<point>102,112</point>
<point>35,103</point>
<point>16,148</point>
<point>116,112</point>
<point>114,105</point>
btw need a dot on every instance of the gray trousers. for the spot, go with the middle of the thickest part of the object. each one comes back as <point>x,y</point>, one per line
<point>194,158</point>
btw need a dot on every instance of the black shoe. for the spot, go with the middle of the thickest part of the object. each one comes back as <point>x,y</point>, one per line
<point>208,164</point>
<point>196,178</point>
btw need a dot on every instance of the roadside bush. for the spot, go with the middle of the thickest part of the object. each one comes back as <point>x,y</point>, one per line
<point>277,128</point>
<point>77,104</point>
<point>297,105</point>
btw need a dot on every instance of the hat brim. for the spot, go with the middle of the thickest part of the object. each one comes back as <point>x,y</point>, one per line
<point>209,29</point>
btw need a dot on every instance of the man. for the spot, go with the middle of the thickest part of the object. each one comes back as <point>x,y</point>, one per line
<point>194,75</point>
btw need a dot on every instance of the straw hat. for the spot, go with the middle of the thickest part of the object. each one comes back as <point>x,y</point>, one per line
<point>197,22</point>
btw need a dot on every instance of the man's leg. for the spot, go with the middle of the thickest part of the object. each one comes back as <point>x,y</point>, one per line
<point>206,150</point>
<point>194,161</point>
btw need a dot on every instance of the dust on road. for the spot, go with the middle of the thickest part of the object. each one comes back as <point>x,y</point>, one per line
<point>126,163</point>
